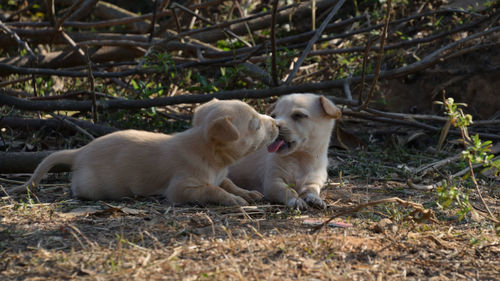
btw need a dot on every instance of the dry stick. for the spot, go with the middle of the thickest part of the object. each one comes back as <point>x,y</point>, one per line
<point>58,29</point>
<point>442,136</point>
<point>27,48</point>
<point>414,124</point>
<point>313,19</point>
<point>347,90</point>
<point>363,69</point>
<point>424,187</point>
<point>235,21</point>
<point>83,10</point>
<point>435,165</point>
<point>274,68</point>
<point>37,124</point>
<point>227,31</point>
<point>69,13</point>
<point>177,23</point>
<point>72,125</point>
<point>72,43</point>
<point>243,14</point>
<point>51,11</point>
<point>426,213</point>
<point>164,4</point>
<point>72,94</point>
<point>151,35</point>
<point>464,171</point>
<point>380,55</point>
<point>407,116</point>
<point>313,41</point>
<point>7,83</point>
<point>17,38</point>
<point>124,43</point>
<point>92,88</point>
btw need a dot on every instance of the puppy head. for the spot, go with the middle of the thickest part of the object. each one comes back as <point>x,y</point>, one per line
<point>235,127</point>
<point>305,123</point>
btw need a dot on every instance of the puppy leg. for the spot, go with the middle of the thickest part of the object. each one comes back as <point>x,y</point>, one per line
<point>278,191</point>
<point>203,194</point>
<point>311,195</point>
<point>248,195</point>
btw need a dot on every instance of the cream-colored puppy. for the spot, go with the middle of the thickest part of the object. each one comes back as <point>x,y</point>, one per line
<point>186,167</point>
<point>294,167</point>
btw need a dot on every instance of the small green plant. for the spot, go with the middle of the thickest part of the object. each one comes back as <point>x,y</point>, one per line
<point>162,62</point>
<point>452,197</point>
<point>475,152</point>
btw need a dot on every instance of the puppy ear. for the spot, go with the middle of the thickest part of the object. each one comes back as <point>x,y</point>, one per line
<point>330,109</point>
<point>201,111</point>
<point>223,130</point>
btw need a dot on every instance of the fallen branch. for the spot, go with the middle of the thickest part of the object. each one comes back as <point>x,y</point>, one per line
<point>425,214</point>
<point>313,40</point>
<point>54,124</point>
<point>413,123</point>
<point>25,162</point>
<point>17,38</point>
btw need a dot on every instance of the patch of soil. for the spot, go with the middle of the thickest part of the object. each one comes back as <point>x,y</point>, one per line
<point>147,239</point>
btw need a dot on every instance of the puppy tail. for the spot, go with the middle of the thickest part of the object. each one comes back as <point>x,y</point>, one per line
<point>60,157</point>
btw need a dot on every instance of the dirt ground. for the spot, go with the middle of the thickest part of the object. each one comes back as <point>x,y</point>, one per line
<point>52,236</point>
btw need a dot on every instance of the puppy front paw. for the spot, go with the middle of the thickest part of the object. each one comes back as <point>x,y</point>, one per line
<point>235,200</point>
<point>253,196</point>
<point>297,203</point>
<point>315,201</point>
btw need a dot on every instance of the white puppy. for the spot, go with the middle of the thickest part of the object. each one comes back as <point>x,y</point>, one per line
<point>186,167</point>
<point>294,167</point>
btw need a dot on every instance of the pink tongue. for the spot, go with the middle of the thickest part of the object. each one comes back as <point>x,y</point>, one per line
<point>273,147</point>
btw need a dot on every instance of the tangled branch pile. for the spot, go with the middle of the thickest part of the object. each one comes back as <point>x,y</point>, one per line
<point>92,56</point>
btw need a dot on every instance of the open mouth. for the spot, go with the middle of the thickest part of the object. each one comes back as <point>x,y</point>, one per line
<point>279,145</point>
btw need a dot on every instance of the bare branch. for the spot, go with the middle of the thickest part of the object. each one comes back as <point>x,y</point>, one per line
<point>313,40</point>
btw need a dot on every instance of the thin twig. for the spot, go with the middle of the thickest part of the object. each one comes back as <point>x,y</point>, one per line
<point>347,90</point>
<point>380,54</point>
<point>92,88</point>
<point>435,165</point>
<point>426,214</point>
<point>313,40</point>
<point>17,38</point>
<point>69,13</point>
<point>363,69</point>
<point>72,125</point>
<point>153,21</point>
<point>274,67</point>
<point>51,12</point>
<point>466,138</point>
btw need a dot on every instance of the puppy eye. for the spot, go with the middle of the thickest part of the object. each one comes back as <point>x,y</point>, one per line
<point>299,115</point>
<point>273,116</point>
<point>255,124</point>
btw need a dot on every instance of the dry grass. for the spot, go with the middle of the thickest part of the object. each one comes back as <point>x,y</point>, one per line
<point>146,239</point>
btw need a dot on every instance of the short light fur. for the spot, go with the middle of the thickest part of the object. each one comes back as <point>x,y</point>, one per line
<point>295,173</point>
<point>186,167</point>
